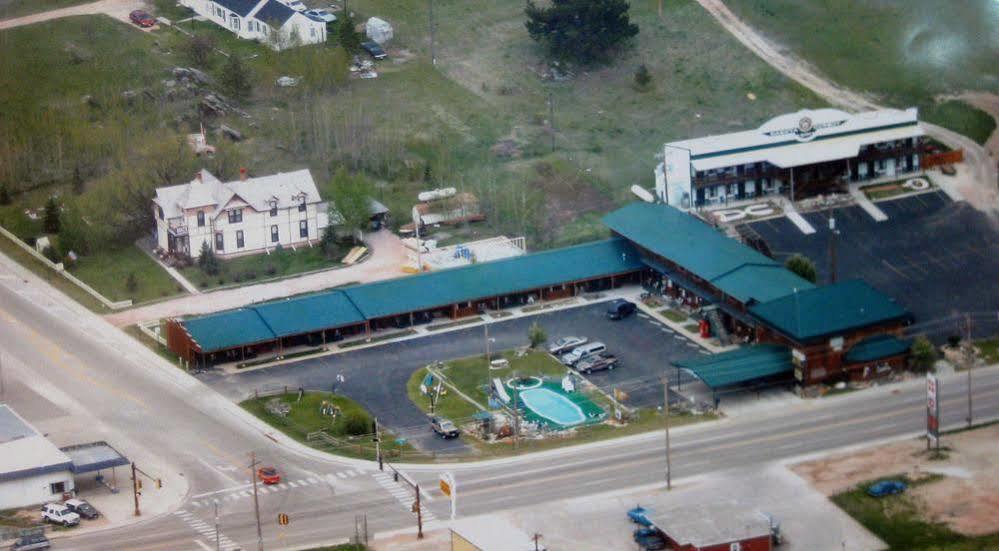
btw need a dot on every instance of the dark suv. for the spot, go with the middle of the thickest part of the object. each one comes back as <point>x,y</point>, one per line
<point>620,309</point>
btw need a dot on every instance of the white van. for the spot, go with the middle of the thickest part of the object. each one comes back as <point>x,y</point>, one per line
<point>583,351</point>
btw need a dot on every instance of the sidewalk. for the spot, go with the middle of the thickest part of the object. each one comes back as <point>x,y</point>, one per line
<point>387,258</point>
<point>861,198</point>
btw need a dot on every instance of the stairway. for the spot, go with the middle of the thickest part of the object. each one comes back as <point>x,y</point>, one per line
<point>717,327</point>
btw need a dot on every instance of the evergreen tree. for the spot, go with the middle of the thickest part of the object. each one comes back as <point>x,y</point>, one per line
<point>328,241</point>
<point>207,261</point>
<point>584,31</point>
<point>51,221</point>
<point>347,35</point>
<point>536,335</point>
<point>237,81</point>
<point>802,266</point>
<point>642,77</point>
<point>4,195</point>
<point>923,354</point>
<point>77,181</point>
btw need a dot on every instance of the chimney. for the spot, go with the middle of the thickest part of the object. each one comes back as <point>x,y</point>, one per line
<point>242,174</point>
<point>197,176</point>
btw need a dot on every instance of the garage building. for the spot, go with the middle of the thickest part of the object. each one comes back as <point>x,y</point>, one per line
<point>32,469</point>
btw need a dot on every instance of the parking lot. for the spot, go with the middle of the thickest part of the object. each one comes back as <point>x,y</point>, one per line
<point>376,377</point>
<point>935,257</point>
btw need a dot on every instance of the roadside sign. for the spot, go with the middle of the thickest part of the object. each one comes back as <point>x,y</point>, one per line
<point>450,489</point>
<point>932,407</point>
<point>283,519</point>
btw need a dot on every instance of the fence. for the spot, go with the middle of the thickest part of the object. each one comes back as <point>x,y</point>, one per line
<point>62,271</point>
<point>945,158</point>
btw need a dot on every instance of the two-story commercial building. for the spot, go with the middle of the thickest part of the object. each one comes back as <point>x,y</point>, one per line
<point>797,154</point>
<point>247,216</point>
<point>268,21</point>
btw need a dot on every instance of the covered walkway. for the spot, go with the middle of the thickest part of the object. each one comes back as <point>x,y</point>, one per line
<point>743,365</point>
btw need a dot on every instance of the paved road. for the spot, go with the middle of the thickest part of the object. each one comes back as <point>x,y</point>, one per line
<point>155,414</point>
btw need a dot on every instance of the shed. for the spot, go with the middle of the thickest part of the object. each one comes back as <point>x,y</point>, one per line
<point>716,528</point>
<point>379,30</point>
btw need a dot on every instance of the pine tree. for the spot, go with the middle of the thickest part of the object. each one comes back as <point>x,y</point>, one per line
<point>4,195</point>
<point>237,81</point>
<point>207,261</point>
<point>584,31</point>
<point>51,221</point>
<point>77,181</point>
<point>347,35</point>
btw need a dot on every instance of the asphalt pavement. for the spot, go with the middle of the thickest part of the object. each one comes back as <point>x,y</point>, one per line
<point>376,377</point>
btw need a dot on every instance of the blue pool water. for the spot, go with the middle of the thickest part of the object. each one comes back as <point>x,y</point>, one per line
<point>552,406</point>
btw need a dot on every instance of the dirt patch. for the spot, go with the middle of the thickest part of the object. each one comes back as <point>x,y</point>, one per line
<point>966,498</point>
<point>568,193</point>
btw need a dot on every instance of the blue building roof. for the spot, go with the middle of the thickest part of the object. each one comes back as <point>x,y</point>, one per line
<point>241,7</point>
<point>274,13</point>
<point>735,269</point>
<point>825,311</point>
<point>741,365</point>
<point>228,329</point>
<point>876,348</point>
<point>308,313</point>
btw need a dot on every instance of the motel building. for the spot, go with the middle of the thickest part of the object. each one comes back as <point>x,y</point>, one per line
<point>799,155</point>
<point>787,329</point>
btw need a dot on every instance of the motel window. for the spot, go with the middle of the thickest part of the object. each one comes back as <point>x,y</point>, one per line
<point>235,216</point>
<point>239,239</point>
<point>201,218</point>
<point>57,487</point>
<point>274,234</point>
<point>219,242</point>
<point>273,210</point>
<point>303,228</point>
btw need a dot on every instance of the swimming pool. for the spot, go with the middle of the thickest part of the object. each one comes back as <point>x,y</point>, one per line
<point>552,406</point>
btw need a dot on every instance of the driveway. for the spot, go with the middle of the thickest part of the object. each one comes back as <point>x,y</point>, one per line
<point>388,255</point>
<point>118,9</point>
<point>376,377</point>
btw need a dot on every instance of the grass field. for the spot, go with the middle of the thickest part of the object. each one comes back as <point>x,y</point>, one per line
<point>898,521</point>
<point>108,273</point>
<point>305,417</point>
<point>248,269</point>
<point>907,52</point>
<point>990,350</point>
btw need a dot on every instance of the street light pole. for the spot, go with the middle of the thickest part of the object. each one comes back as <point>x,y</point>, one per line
<point>256,501</point>
<point>969,354</point>
<point>218,538</point>
<point>669,474</point>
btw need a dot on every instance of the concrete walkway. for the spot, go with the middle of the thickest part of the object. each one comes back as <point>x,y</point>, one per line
<point>870,208</point>
<point>387,258</point>
<point>187,285</point>
<point>797,219</point>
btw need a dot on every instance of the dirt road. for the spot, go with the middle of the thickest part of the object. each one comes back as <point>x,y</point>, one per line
<point>118,9</point>
<point>977,182</point>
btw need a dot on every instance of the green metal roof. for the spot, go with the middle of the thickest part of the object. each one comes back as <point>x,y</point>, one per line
<point>309,313</point>
<point>735,269</point>
<point>228,329</point>
<point>824,311</point>
<point>741,365</point>
<point>488,279</point>
<point>877,347</point>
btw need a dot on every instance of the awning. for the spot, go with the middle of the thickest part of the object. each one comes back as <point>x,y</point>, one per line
<point>95,456</point>
<point>739,366</point>
<point>877,347</point>
<point>685,282</point>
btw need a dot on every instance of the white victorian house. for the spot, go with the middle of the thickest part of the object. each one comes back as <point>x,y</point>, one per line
<point>247,216</point>
<point>269,21</point>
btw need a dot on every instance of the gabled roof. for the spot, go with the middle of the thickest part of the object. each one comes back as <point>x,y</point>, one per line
<point>308,313</point>
<point>826,311</point>
<point>274,13</point>
<point>489,279</point>
<point>207,191</point>
<point>741,365</point>
<point>241,7</point>
<point>228,329</point>
<point>732,267</point>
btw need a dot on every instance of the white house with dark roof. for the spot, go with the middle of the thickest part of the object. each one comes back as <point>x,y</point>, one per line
<point>32,469</point>
<point>246,216</point>
<point>269,21</point>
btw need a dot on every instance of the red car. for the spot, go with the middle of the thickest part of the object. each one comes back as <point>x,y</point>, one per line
<point>142,18</point>
<point>268,475</point>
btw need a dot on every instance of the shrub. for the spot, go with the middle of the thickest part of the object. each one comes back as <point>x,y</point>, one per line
<point>642,77</point>
<point>536,335</point>
<point>270,270</point>
<point>953,341</point>
<point>4,195</point>
<point>51,254</point>
<point>237,277</point>
<point>803,266</point>
<point>923,354</point>
<point>356,423</point>
<point>250,275</point>
<point>221,281</point>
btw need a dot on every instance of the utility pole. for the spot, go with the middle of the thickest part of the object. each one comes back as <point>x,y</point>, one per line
<point>433,49</point>
<point>256,502</point>
<point>218,542</point>
<point>419,515</point>
<point>833,232</point>
<point>551,119</point>
<point>969,355</point>
<point>135,490</point>
<point>516,420</point>
<point>378,446</point>
<point>536,537</point>
<point>669,474</point>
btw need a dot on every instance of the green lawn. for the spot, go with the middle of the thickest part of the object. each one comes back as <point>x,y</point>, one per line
<point>898,521</point>
<point>108,272</point>
<point>252,268</point>
<point>905,51</point>
<point>673,315</point>
<point>990,349</point>
<point>305,417</point>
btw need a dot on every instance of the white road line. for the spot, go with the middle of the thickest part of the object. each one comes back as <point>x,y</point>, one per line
<point>202,545</point>
<point>643,316</point>
<point>341,475</point>
<point>302,482</point>
<point>312,480</point>
<point>292,484</point>
<point>692,345</point>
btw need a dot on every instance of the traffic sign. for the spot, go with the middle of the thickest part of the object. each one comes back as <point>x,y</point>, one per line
<point>283,519</point>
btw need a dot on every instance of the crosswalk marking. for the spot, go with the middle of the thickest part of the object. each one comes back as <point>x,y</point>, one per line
<point>198,525</point>
<point>263,489</point>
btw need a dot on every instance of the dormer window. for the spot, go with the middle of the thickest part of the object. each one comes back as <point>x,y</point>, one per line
<point>301,205</point>
<point>201,218</point>
<point>273,208</point>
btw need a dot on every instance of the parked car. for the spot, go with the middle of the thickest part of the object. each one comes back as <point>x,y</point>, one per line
<point>320,15</point>
<point>141,18</point>
<point>82,508</point>
<point>638,515</point>
<point>580,352</point>
<point>268,475</point>
<point>596,362</point>
<point>649,539</point>
<point>883,488</point>
<point>566,344</point>
<point>296,5</point>
<point>444,427</point>
<point>57,513</point>
<point>374,50</point>
<point>620,309</point>
<point>31,542</point>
